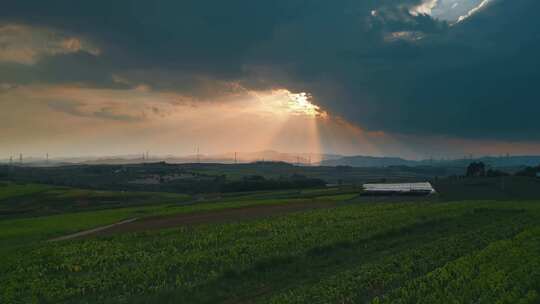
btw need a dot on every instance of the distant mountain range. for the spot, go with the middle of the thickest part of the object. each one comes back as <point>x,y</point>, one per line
<point>225,158</point>
<point>369,161</point>
<point>303,159</point>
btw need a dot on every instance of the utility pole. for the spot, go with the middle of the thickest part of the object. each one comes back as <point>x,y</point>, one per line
<point>47,158</point>
<point>235,158</point>
<point>20,158</point>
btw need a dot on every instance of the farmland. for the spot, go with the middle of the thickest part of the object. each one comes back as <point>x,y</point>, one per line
<point>18,228</point>
<point>205,178</point>
<point>350,251</point>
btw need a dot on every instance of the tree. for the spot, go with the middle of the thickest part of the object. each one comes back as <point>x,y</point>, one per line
<point>476,169</point>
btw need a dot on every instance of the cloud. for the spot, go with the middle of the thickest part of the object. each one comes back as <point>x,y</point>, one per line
<point>24,44</point>
<point>362,60</point>
<point>128,105</point>
<point>106,113</point>
<point>404,35</point>
<point>474,10</point>
<point>7,86</point>
<point>424,8</point>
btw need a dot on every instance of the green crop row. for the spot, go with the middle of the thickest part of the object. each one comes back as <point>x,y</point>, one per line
<point>507,271</point>
<point>411,255</point>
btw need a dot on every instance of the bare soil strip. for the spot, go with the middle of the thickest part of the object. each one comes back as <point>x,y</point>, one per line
<point>219,216</point>
<point>91,231</point>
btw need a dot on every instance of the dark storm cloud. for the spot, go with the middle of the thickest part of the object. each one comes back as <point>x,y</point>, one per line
<point>478,80</point>
<point>69,68</point>
<point>370,61</point>
<point>192,41</point>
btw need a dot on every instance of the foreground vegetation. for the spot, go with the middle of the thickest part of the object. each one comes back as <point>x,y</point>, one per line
<point>354,253</point>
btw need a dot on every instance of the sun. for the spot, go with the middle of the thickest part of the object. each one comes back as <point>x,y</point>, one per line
<point>299,103</point>
<point>285,103</point>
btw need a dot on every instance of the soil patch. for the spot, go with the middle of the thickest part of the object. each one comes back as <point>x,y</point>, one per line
<point>219,216</point>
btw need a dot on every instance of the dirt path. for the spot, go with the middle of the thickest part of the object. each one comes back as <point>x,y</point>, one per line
<point>219,216</point>
<point>91,231</point>
<point>189,219</point>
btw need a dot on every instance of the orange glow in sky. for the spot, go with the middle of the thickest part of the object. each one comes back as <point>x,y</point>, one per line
<point>81,121</point>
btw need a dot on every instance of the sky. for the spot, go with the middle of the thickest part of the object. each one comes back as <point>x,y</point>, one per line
<point>409,78</point>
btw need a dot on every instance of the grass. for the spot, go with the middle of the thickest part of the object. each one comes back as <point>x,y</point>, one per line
<point>10,190</point>
<point>25,200</point>
<point>20,232</point>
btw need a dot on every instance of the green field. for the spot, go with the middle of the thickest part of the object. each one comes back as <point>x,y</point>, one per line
<point>355,252</point>
<point>25,200</point>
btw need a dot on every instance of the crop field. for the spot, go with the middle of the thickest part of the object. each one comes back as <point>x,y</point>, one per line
<point>350,251</point>
<point>18,230</point>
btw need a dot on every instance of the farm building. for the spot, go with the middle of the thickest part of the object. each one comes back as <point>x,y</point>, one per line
<point>399,189</point>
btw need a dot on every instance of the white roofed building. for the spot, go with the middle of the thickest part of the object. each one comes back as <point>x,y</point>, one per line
<point>424,188</point>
